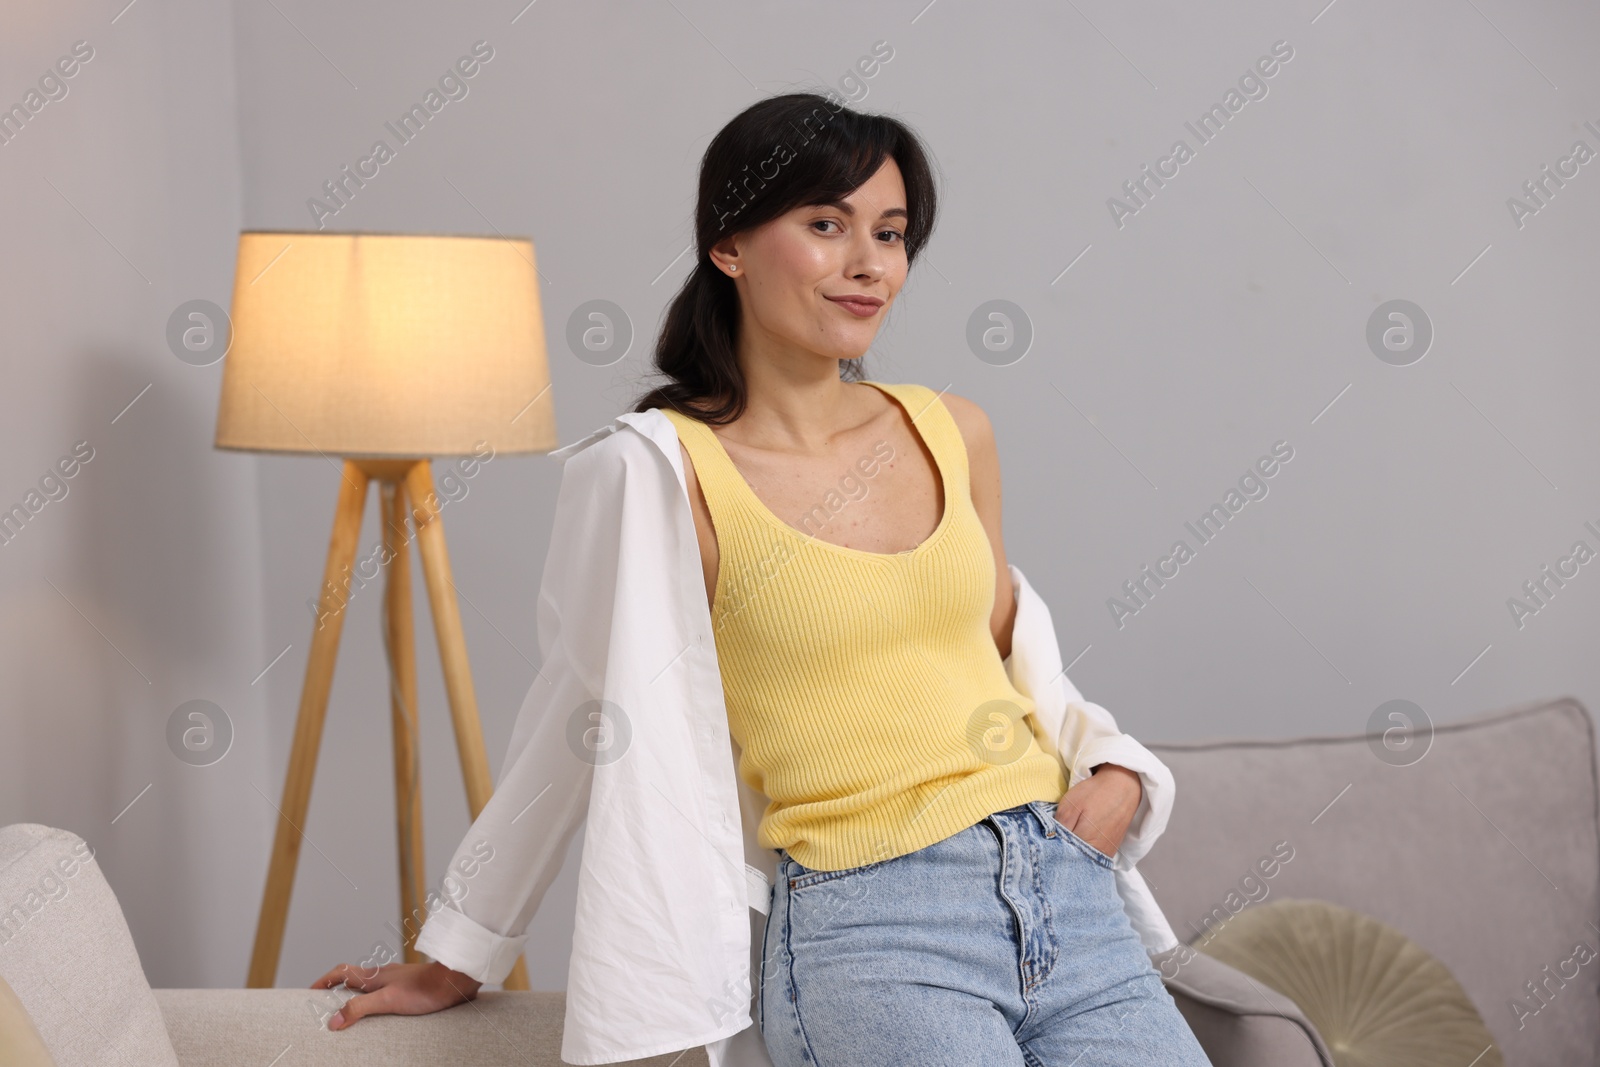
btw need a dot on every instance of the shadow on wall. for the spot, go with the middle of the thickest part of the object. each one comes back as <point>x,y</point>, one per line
<point>150,568</point>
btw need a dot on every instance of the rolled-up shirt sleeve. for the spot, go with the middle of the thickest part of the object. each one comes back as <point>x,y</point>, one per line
<point>467,946</point>
<point>542,793</point>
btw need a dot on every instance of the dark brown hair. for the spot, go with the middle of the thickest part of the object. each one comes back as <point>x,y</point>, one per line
<point>777,154</point>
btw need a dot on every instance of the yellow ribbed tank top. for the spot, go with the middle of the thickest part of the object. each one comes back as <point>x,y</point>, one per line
<point>864,689</point>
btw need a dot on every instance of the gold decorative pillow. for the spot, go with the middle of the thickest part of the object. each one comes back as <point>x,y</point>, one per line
<point>20,1043</point>
<point>1377,998</point>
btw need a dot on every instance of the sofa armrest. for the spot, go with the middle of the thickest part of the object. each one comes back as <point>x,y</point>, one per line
<point>1238,1021</point>
<point>228,1027</point>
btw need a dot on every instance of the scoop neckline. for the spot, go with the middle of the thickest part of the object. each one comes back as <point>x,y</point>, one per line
<point>771,517</point>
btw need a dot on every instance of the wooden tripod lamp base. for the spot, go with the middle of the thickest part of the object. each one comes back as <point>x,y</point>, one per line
<point>403,482</point>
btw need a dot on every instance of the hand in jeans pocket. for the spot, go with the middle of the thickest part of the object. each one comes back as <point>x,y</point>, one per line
<point>1100,808</point>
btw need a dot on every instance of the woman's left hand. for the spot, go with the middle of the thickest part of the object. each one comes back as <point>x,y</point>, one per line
<point>1100,808</point>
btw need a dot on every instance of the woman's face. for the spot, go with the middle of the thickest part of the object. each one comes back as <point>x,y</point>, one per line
<point>794,270</point>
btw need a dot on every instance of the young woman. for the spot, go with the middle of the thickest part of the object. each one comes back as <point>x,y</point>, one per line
<point>942,897</point>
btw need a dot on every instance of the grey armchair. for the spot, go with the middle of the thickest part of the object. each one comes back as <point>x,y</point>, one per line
<point>1485,851</point>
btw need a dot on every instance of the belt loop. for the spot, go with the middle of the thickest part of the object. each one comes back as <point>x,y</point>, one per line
<point>1047,819</point>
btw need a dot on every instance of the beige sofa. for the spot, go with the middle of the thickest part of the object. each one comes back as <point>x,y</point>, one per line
<point>1486,851</point>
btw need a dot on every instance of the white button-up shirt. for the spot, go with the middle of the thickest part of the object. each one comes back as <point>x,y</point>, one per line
<point>625,730</point>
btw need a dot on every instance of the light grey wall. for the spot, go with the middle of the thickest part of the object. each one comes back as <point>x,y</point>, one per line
<point>1167,355</point>
<point>1225,316</point>
<point>140,589</point>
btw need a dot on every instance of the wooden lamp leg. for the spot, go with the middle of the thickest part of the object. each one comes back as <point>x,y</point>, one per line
<point>453,654</point>
<point>402,660</point>
<point>413,482</point>
<point>308,728</point>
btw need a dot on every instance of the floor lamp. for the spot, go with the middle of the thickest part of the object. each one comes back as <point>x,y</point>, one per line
<point>376,352</point>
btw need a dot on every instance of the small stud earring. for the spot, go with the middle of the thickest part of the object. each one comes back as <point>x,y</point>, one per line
<point>732,267</point>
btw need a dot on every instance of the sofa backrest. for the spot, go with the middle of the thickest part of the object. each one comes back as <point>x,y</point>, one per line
<point>1485,851</point>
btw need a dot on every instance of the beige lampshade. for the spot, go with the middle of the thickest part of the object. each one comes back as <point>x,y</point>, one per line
<point>385,345</point>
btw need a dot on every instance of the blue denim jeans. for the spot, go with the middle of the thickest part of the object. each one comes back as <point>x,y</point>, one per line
<point>1004,944</point>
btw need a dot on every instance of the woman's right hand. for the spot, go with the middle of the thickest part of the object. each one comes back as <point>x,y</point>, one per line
<point>397,989</point>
